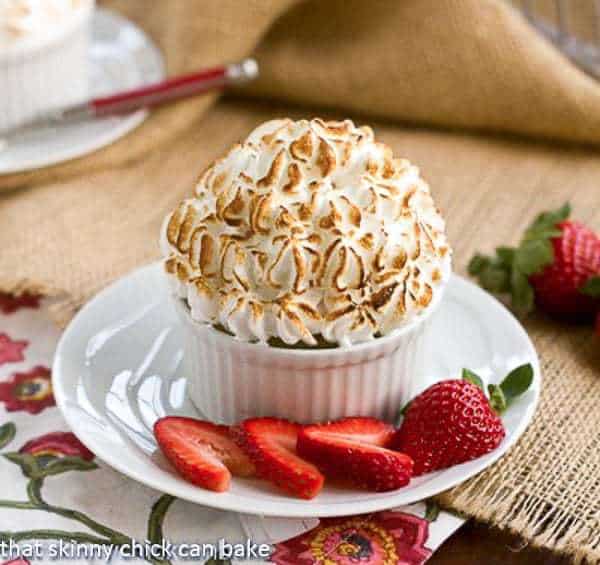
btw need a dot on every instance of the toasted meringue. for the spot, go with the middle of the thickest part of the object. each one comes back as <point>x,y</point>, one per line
<point>307,229</point>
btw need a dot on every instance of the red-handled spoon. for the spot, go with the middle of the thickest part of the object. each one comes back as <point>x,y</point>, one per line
<point>147,96</point>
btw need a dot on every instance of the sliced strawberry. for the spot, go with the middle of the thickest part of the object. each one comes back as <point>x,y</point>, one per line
<point>354,449</point>
<point>271,445</point>
<point>203,453</point>
<point>361,429</point>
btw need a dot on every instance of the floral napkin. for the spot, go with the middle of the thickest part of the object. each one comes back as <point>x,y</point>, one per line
<point>59,504</point>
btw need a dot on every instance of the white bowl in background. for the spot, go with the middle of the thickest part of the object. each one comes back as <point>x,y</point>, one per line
<point>46,70</point>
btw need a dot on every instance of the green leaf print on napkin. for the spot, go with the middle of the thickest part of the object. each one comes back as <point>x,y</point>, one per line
<point>7,434</point>
<point>61,452</point>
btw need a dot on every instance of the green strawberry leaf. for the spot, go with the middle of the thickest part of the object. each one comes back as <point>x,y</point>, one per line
<point>533,255</point>
<point>478,263</point>
<point>517,382</point>
<point>542,234</point>
<point>506,256</point>
<point>7,434</point>
<point>497,399</point>
<point>473,378</point>
<point>494,278</point>
<point>493,273</point>
<point>522,295</point>
<point>544,226</point>
<point>592,287</point>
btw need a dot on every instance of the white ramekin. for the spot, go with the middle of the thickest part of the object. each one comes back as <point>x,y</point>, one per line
<point>38,74</point>
<point>230,380</point>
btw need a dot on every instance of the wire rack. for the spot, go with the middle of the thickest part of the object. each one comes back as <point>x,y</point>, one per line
<point>572,25</point>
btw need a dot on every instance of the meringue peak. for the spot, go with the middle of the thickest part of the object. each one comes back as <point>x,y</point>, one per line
<point>308,228</point>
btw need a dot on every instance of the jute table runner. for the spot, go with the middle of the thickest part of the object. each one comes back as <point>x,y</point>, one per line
<point>472,64</point>
<point>71,230</point>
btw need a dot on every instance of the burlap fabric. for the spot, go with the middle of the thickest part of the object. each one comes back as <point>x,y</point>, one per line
<point>70,230</point>
<point>454,63</point>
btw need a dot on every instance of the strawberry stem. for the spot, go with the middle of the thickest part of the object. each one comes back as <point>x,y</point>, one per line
<point>497,399</point>
<point>501,396</point>
<point>473,378</point>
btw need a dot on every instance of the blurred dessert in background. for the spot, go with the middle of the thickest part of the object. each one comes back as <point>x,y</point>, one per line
<point>43,56</point>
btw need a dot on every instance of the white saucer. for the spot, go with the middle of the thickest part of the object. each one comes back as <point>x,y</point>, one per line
<point>121,57</point>
<point>120,365</point>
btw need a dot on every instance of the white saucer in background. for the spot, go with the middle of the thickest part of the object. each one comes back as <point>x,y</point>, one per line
<point>122,57</point>
<point>120,365</point>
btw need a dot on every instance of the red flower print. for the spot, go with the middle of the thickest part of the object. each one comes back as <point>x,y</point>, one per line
<point>11,351</point>
<point>10,303</point>
<point>57,445</point>
<point>387,537</point>
<point>52,454</point>
<point>30,392</point>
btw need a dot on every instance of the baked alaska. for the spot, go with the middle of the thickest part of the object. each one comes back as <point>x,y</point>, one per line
<point>305,268</point>
<point>308,232</point>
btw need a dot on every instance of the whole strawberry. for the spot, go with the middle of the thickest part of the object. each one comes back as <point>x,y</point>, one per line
<point>556,266</point>
<point>453,421</point>
<point>560,288</point>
